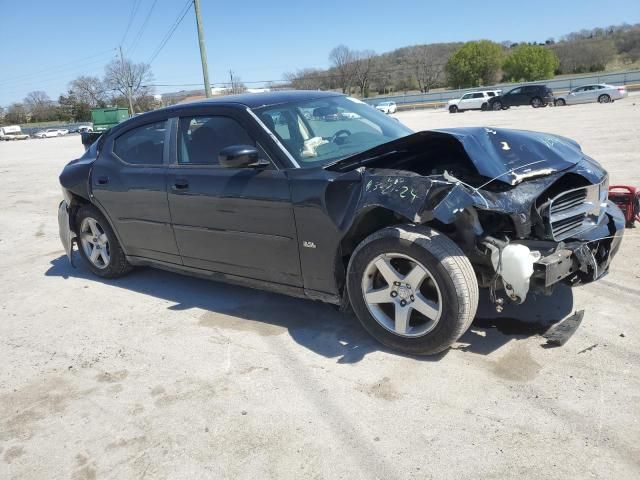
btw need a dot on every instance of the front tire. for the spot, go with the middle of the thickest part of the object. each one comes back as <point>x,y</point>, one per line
<point>560,102</point>
<point>413,289</point>
<point>98,244</point>
<point>453,109</point>
<point>497,105</point>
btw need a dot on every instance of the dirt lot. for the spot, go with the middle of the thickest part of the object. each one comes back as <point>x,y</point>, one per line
<point>162,376</point>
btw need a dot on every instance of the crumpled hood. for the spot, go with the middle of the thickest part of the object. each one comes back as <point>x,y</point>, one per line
<point>509,156</point>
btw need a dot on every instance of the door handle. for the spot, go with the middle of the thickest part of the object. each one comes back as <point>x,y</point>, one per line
<point>103,180</point>
<point>181,184</point>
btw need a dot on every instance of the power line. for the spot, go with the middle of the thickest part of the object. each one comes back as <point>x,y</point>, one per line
<point>406,68</point>
<point>134,10</point>
<point>53,69</point>
<point>173,28</point>
<point>142,29</point>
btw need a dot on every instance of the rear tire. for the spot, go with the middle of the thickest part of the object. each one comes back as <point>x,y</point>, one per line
<point>98,244</point>
<point>433,276</point>
<point>604,98</point>
<point>536,102</point>
<point>484,107</point>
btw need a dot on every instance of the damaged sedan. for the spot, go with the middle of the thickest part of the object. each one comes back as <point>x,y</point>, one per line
<point>318,195</point>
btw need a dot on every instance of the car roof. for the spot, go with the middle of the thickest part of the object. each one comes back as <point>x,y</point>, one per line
<point>262,99</point>
<point>244,100</point>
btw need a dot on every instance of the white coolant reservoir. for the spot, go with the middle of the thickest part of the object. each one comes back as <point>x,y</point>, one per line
<point>515,267</point>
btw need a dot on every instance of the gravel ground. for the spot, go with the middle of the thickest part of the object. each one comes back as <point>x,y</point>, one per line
<point>157,375</point>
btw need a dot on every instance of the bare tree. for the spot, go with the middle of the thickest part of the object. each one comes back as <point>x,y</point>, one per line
<point>306,79</point>
<point>235,83</point>
<point>89,90</point>
<point>16,113</point>
<point>363,69</point>
<point>39,106</point>
<point>428,66</point>
<point>126,77</point>
<point>342,60</point>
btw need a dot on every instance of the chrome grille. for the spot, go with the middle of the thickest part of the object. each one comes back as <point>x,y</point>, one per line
<point>575,211</point>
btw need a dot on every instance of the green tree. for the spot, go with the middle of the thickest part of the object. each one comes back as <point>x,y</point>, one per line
<point>475,63</point>
<point>530,62</point>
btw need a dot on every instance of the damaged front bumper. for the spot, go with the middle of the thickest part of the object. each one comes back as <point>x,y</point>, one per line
<point>524,266</point>
<point>67,235</point>
<point>585,259</point>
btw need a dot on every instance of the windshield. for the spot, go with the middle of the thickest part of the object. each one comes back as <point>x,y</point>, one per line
<point>318,132</point>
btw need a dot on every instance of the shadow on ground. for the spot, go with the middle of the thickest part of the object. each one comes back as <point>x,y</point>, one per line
<point>315,325</point>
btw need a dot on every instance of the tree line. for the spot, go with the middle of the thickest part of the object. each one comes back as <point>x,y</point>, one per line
<point>86,92</point>
<point>470,64</point>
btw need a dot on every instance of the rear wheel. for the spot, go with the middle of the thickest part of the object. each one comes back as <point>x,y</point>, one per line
<point>453,109</point>
<point>604,98</point>
<point>98,244</point>
<point>536,102</point>
<point>412,289</point>
<point>484,107</point>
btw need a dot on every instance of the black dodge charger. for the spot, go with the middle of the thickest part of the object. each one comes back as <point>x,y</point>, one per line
<point>319,195</point>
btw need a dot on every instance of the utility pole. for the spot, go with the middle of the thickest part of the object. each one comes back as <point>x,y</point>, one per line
<point>203,49</point>
<point>128,80</point>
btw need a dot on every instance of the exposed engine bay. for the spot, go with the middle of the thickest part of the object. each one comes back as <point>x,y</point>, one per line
<point>528,209</point>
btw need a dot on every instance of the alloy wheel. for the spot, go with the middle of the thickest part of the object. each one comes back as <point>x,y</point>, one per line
<point>95,243</point>
<point>401,295</point>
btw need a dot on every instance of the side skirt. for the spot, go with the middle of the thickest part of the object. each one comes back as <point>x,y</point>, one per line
<point>235,280</point>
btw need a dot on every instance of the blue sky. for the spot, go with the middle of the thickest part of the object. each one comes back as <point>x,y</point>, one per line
<point>45,44</point>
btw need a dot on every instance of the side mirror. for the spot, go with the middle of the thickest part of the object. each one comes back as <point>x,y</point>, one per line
<point>240,156</point>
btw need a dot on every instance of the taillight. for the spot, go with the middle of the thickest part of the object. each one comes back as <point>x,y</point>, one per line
<point>621,89</point>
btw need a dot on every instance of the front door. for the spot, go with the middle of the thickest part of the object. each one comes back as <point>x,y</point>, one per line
<point>232,220</point>
<point>129,183</point>
<point>514,97</point>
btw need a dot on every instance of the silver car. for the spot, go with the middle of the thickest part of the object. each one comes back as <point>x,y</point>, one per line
<point>601,93</point>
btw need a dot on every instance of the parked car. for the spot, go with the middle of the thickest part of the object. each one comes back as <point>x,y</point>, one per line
<point>472,101</point>
<point>601,93</point>
<point>49,132</point>
<point>387,107</point>
<point>534,95</point>
<point>404,227</point>
<point>63,131</point>
<point>12,132</point>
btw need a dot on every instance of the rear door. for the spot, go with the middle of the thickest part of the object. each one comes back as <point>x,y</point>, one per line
<point>237,221</point>
<point>129,183</point>
<point>477,100</point>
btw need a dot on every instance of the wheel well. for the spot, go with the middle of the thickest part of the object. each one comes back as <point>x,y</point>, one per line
<point>76,202</point>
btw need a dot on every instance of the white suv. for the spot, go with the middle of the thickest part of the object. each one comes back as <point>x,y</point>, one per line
<point>472,101</point>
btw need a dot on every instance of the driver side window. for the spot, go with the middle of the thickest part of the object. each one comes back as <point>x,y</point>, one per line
<point>201,138</point>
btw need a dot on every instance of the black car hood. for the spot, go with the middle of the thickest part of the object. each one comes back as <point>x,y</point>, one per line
<point>509,156</point>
